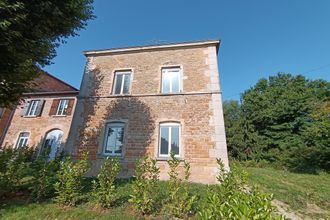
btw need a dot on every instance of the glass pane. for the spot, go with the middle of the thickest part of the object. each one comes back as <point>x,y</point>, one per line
<point>175,81</point>
<point>164,138</point>
<point>119,139</point>
<point>175,140</point>
<point>111,141</point>
<point>166,82</point>
<point>24,134</point>
<point>119,78</point>
<point>127,82</point>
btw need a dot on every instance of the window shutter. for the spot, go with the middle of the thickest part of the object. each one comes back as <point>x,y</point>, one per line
<point>70,107</point>
<point>54,106</point>
<point>40,107</point>
<point>25,108</point>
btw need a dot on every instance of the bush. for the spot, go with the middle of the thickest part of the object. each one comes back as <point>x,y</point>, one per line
<point>44,177</point>
<point>145,186</point>
<point>15,166</point>
<point>69,186</point>
<point>104,187</point>
<point>180,202</point>
<point>232,200</point>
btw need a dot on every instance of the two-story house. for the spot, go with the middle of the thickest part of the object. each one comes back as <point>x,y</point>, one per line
<point>152,100</point>
<point>43,118</point>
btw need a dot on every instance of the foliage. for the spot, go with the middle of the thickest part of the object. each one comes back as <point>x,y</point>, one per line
<point>145,186</point>
<point>68,188</point>
<point>14,167</point>
<point>44,176</point>
<point>285,120</point>
<point>233,200</point>
<point>104,187</point>
<point>30,31</point>
<point>180,202</point>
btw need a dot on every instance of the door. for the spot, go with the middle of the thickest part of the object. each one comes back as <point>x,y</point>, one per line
<point>53,142</point>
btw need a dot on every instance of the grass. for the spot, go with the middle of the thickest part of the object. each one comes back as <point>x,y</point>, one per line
<point>306,194</point>
<point>22,208</point>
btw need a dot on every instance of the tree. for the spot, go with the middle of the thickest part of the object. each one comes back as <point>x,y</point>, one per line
<point>283,119</point>
<point>30,31</point>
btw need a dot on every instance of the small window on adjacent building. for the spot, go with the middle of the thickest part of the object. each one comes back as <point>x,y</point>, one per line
<point>22,140</point>
<point>122,82</point>
<point>33,108</point>
<point>169,139</point>
<point>114,138</point>
<point>2,110</point>
<point>171,80</point>
<point>61,107</point>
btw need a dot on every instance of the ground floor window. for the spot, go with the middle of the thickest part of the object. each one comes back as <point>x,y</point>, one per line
<point>169,139</point>
<point>114,138</point>
<point>53,143</point>
<point>22,139</point>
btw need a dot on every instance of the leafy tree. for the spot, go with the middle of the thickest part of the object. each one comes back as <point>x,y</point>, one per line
<point>30,31</point>
<point>284,118</point>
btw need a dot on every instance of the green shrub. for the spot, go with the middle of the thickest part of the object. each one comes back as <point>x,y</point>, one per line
<point>15,166</point>
<point>69,186</point>
<point>232,200</point>
<point>145,186</point>
<point>180,202</point>
<point>104,187</point>
<point>44,177</point>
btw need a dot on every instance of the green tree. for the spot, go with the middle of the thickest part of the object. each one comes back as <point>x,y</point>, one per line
<point>30,31</point>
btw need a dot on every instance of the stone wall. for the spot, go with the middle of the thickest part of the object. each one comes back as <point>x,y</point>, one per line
<point>198,109</point>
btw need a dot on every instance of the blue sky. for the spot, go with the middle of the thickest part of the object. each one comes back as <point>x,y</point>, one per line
<point>259,37</point>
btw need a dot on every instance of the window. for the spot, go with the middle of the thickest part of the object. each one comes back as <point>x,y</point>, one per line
<point>34,108</point>
<point>169,139</point>
<point>114,138</point>
<point>22,139</point>
<point>2,110</point>
<point>122,83</point>
<point>62,107</point>
<point>171,80</point>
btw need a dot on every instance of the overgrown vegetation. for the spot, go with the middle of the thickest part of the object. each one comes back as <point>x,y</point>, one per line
<point>144,186</point>
<point>232,199</point>
<point>283,120</point>
<point>180,203</point>
<point>68,188</point>
<point>104,190</point>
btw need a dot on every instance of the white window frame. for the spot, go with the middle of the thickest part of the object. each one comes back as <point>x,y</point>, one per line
<point>166,70</point>
<point>24,139</point>
<point>32,108</point>
<point>62,112</point>
<point>169,124</point>
<point>105,141</point>
<point>124,73</point>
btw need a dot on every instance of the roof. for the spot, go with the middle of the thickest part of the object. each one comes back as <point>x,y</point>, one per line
<point>47,83</point>
<point>215,42</point>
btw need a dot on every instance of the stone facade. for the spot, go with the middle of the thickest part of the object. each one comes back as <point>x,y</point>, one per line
<point>48,89</point>
<point>197,108</point>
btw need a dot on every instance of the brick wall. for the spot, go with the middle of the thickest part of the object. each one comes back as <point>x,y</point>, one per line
<point>37,126</point>
<point>198,108</point>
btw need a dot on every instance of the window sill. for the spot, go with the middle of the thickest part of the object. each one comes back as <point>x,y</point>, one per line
<point>168,158</point>
<point>103,156</point>
<point>58,116</point>
<point>30,116</point>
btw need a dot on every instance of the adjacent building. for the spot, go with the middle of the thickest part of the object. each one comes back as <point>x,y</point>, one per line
<point>43,118</point>
<point>142,100</point>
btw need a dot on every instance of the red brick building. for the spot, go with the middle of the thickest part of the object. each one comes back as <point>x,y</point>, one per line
<point>43,118</point>
<point>152,100</point>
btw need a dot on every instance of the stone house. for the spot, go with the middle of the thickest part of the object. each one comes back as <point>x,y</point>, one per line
<point>152,100</point>
<point>43,118</point>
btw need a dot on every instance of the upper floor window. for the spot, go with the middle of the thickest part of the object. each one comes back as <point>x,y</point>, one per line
<point>22,139</point>
<point>171,80</point>
<point>114,138</point>
<point>33,108</point>
<point>61,107</point>
<point>169,139</point>
<point>122,82</point>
